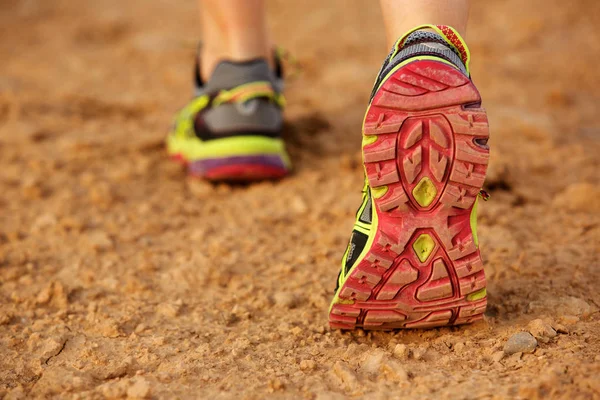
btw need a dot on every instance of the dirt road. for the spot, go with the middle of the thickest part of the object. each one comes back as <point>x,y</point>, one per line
<point>120,277</point>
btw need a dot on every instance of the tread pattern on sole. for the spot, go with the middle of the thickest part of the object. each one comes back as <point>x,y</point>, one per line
<point>423,268</point>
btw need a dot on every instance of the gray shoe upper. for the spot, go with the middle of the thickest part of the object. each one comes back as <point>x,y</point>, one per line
<point>257,116</point>
<point>229,74</point>
<point>428,43</point>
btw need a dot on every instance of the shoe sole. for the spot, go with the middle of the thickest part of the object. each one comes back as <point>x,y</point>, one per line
<point>425,156</point>
<point>235,169</point>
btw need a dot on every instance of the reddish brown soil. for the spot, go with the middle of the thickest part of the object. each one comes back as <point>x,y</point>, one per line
<point>120,277</point>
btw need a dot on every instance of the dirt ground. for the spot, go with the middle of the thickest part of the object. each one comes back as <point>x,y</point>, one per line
<point>120,277</point>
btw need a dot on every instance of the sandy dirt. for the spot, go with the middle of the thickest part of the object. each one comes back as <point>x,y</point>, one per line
<point>120,277</point>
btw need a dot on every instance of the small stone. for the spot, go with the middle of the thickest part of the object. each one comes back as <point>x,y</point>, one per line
<point>308,365</point>
<point>541,330</point>
<point>239,346</point>
<point>169,310</point>
<point>560,328</point>
<point>419,353</point>
<point>298,205</point>
<point>139,390</point>
<point>444,360</point>
<point>522,342</point>
<point>31,188</point>
<point>99,241</point>
<point>285,299</point>
<point>45,295</point>
<point>296,331</point>
<point>345,375</point>
<point>6,317</point>
<point>351,352</point>
<point>55,292</point>
<point>43,221</point>
<point>275,385</point>
<point>497,356</point>
<point>459,347</point>
<point>109,328</point>
<point>393,370</point>
<point>372,361</point>
<point>513,360</point>
<point>401,351</point>
<point>101,194</point>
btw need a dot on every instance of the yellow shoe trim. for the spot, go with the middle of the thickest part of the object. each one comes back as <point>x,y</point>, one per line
<point>368,139</point>
<point>478,295</point>
<point>473,221</point>
<point>371,232</point>
<point>249,91</point>
<point>379,192</point>
<point>195,149</point>
<point>423,247</point>
<point>424,192</point>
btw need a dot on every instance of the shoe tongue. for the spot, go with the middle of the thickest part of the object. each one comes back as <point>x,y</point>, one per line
<point>442,34</point>
<point>230,74</point>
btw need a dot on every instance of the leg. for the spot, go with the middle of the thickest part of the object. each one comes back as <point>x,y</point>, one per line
<point>235,30</point>
<point>402,15</point>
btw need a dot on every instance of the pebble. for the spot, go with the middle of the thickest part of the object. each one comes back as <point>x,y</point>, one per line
<point>43,221</point>
<point>298,205</point>
<point>139,390</point>
<point>99,241</point>
<point>308,365</point>
<point>541,330</point>
<point>459,347</point>
<point>169,310</point>
<point>560,328</point>
<point>372,362</point>
<point>522,342</point>
<point>419,353</point>
<point>285,299</point>
<point>345,374</point>
<point>401,351</point>
<point>275,385</point>
<point>497,356</point>
<point>394,371</point>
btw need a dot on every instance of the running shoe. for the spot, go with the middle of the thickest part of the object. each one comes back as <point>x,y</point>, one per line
<point>231,129</point>
<point>413,259</point>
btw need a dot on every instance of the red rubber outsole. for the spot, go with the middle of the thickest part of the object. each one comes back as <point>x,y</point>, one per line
<point>245,173</point>
<point>425,170</point>
<point>234,172</point>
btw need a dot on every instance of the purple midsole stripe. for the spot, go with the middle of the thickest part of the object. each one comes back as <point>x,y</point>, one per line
<point>201,166</point>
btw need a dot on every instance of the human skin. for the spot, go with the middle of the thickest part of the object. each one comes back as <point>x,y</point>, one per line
<point>236,30</point>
